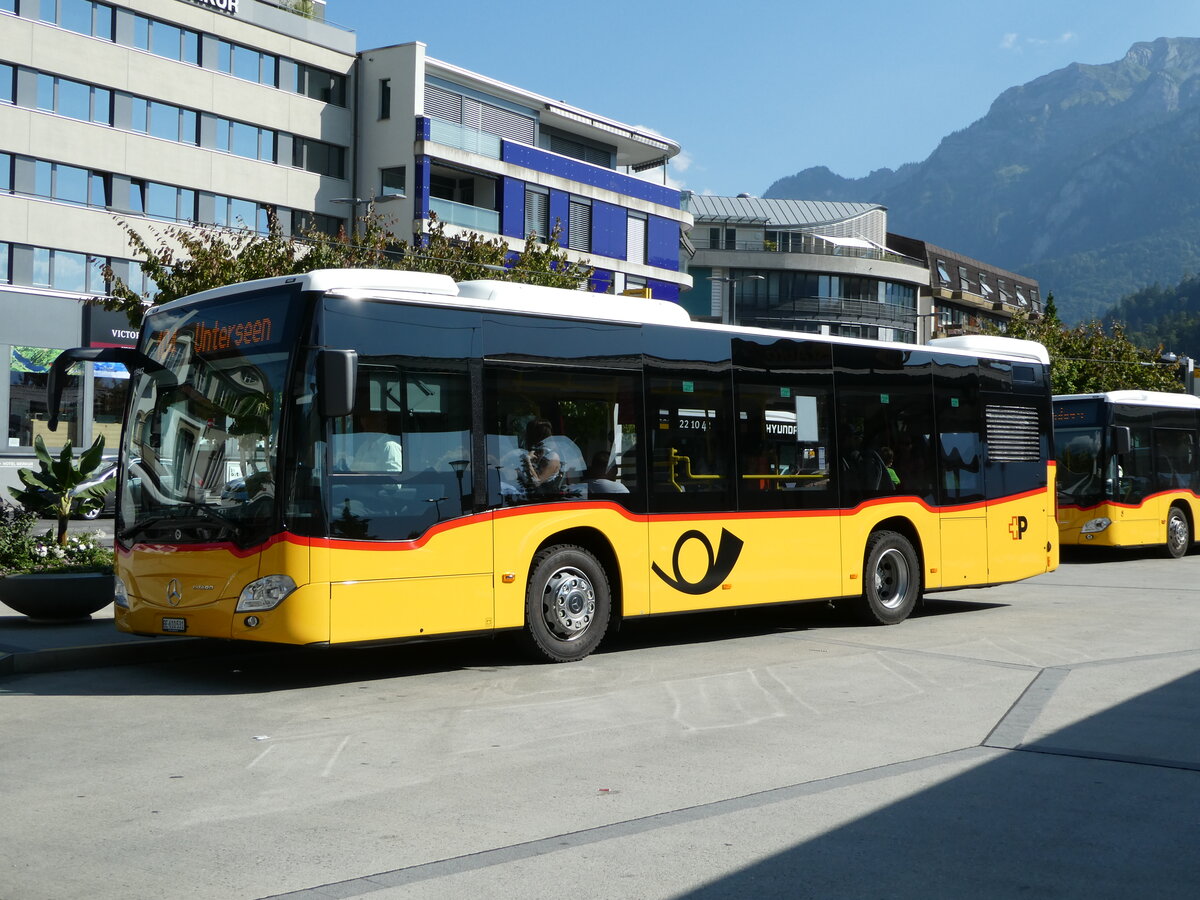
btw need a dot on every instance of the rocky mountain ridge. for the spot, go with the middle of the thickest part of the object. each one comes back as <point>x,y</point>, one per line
<point>1087,178</point>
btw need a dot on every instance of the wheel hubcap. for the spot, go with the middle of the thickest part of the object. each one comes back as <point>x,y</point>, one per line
<point>1177,530</point>
<point>568,603</point>
<point>891,579</point>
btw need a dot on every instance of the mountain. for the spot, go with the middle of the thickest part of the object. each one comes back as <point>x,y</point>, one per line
<point>1087,179</point>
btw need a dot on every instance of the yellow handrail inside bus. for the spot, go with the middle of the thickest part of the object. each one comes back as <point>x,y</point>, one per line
<point>673,461</point>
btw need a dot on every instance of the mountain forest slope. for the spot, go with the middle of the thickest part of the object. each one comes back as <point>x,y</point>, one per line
<point>1087,179</point>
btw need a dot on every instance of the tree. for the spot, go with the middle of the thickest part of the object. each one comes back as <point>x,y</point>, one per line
<point>1088,359</point>
<point>186,260</point>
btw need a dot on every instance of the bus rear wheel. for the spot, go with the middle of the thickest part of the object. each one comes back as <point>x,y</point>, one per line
<point>891,579</point>
<point>1179,533</point>
<point>567,604</point>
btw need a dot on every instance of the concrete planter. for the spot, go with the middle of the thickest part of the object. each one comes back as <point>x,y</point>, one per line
<point>57,596</point>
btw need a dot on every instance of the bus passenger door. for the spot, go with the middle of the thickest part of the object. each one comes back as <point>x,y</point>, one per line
<point>964,524</point>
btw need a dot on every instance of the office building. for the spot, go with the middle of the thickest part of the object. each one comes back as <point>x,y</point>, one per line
<point>217,112</point>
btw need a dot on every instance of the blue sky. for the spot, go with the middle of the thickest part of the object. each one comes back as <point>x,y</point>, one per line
<point>754,90</point>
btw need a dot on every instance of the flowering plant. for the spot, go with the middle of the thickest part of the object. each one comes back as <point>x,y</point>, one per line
<point>22,551</point>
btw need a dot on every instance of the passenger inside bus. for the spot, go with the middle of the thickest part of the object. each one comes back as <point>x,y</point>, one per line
<point>541,470</point>
<point>376,449</point>
<point>601,475</point>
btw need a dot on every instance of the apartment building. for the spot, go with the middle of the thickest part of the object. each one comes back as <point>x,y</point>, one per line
<point>965,295</point>
<point>834,268</point>
<point>801,265</point>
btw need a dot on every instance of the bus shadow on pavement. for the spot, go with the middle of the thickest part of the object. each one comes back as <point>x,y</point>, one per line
<point>208,666</point>
<point>1086,556</point>
<point>1102,808</point>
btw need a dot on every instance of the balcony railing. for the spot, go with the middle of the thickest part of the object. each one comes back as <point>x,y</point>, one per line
<point>465,216</point>
<point>828,310</point>
<point>809,246</point>
<point>463,138</point>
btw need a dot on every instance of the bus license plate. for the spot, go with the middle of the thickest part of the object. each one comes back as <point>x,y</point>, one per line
<point>176,624</point>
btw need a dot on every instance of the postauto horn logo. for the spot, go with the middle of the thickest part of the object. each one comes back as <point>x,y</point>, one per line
<point>719,566</point>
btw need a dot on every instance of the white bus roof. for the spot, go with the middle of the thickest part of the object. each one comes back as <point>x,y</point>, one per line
<point>399,285</point>
<point>995,345</point>
<point>577,304</point>
<point>1139,398</point>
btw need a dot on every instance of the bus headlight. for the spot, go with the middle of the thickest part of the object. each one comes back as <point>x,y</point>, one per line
<point>120,595</point>
<point>1095,526</point>
<point>265,593</point>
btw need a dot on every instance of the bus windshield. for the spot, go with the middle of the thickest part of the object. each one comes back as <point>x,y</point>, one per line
<point>1078,432</point>
<point>201,445</point>
<point>1081,478</point>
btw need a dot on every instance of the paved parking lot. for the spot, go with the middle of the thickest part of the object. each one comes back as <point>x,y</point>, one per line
<point>1038,739</point>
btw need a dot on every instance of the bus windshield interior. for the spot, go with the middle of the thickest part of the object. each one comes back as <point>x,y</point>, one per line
<point>200,448</point>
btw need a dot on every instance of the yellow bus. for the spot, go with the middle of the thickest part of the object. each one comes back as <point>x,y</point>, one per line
<point>1128,469</point>
<point>355,456</point>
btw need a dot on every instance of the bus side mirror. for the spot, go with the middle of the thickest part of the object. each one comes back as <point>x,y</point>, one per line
<point>1121,441</point>
<point>337,376</point>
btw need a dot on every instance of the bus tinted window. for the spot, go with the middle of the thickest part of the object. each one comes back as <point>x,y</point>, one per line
<point>885,424</point>
<point>959,418</point>
<point>400,461</point>
<point>784,391</point>
<point>690,442</point>
<point>559,435</point>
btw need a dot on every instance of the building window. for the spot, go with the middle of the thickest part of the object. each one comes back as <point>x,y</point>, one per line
<point>392,182</point>
<point>385,98</point>
<point>635,238</point>
<point>74,99</point>
<point>537,213</point>
<point>984,286</point>
<point>29,369</point>
<point>943,273</point>
<point>964,281</point>
<point>328,87</point>
<point>319,157</point>
<point>7,82</point>
<point>579,225</point>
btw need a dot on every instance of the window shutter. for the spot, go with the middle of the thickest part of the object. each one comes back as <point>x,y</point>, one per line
<point>537,214</point>
<point>579,226</point>
<point>443,104</point>
<point>635,239</point>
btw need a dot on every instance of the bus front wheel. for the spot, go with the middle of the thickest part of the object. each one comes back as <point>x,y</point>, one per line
<point>1179,533</point>
<point>891,579</point>
<point>567,604</point>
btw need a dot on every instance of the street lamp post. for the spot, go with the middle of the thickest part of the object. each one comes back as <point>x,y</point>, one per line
<point>939,317</point>
<point>354,203</point>
<point>1189,369</point>
<point>729,312</point>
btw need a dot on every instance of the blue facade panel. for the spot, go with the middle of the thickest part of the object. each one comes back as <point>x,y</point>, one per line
<point>512,207</point>
<point>421,188</point>
<point>602,281</point>
<point>608,230</point>
<point>662,243</point>
<point>663,290</point>
<point>575,170</point>
<point>560,209</point>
